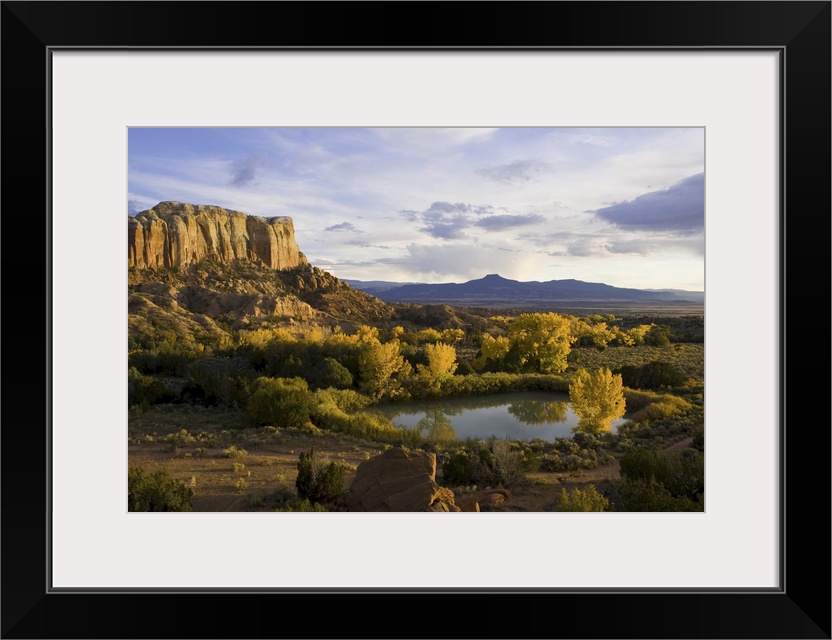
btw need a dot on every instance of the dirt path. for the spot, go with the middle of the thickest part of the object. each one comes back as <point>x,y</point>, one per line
<point>681,445</point>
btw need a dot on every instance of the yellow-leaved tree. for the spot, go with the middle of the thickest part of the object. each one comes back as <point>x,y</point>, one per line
<point>542,341</point>
<point>492,351</point>
<point>440,366</point>
<point>381,367</point>
<point>597,399</point>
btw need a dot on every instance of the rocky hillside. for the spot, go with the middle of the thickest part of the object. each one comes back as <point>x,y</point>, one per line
<point>176,235</point>
<point>197,270</point>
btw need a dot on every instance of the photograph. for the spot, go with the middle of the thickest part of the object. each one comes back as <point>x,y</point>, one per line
<point>410,319</point>
<point>489,263</point>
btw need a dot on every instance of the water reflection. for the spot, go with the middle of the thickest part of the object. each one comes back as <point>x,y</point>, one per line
<point>516,416</point>
<point>437,427</point>
<point>538,411</point>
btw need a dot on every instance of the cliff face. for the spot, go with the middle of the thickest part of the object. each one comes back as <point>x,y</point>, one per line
<point>175,235</point>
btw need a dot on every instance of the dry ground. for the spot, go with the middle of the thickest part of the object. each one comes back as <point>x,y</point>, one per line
<point>255,481</point>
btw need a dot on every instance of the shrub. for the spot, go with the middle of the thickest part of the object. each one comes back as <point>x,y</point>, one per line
<point>699,438</point>
<point>302,505</point>
<point>343,399</point>
<point>648,495</point>
<point>179,438</point>
<point>582,500</point>
<point>662,482</point>
<point>496,463</point>
<point>255,499</point>
<point>637,400</point>
<point>319,480</point>
<point>656,411</point>
<point>158,491</point>
<point>234,452</point>
<point>331,413</point>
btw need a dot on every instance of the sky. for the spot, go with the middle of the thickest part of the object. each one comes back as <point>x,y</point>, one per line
<point>622,206</point>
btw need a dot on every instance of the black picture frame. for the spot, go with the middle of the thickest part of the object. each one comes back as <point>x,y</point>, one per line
<point>799,31</point>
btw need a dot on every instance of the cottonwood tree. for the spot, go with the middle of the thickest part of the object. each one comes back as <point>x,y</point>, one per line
<point>541,341</point>
<point>492,351</point>
<point>380,366</point>
<point>440,366</point>
<point>535,342</point>
<point>597,399</point>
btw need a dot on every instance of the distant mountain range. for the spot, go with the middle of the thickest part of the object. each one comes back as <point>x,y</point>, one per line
<point>495,291</point>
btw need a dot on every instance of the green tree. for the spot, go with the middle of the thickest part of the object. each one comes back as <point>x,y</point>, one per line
<point>158,491</point>
<point>658,336</point>
<point>146,390</point>
<point>582,500</point>
<point>331,373</point>
<point>283,402</point>
<point>597,399</point>
<point>319,480</point>
<point>652,375</point>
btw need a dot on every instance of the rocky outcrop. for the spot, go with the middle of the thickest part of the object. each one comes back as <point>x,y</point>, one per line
<point>175,235</point>
<point>238,308</point>
<point>399,480</point>
<point>488,498</point>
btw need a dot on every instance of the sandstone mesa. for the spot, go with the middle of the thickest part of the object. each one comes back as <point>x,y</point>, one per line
<point>176,235</point>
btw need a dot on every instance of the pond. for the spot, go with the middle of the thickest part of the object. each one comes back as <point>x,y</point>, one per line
<point>515,416</point>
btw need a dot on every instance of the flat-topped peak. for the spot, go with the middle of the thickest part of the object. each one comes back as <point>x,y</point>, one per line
<point>176,234</point>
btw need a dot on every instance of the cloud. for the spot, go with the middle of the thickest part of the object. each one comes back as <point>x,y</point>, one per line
<point>433,140</point>
<point>679,208</point>
<point>134,207</point>
<point>508,221</point>
<point>366,245</point>
<point>591,139</point>
<point>516,172</point>
<point>455,262</point>
<point>639,247</point>
<point>344,226</point>
<point>446,230</point>
<point>137,203</point>
<point>447,220</point>
<point>560,237</point>
<point>583,247</point>
<point>244,170</point>
<point>439,209</point>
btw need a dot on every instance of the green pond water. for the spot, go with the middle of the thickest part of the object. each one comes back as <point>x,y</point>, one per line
<point>515,416</point>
